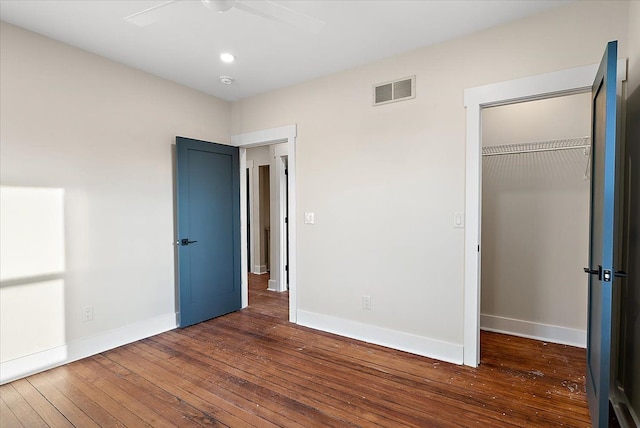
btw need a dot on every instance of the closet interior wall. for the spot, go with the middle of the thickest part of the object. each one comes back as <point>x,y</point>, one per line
<point>535,220</point>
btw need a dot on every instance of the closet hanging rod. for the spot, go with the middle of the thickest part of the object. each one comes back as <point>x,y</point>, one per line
<point>538,146</point>
<point>515,152</point>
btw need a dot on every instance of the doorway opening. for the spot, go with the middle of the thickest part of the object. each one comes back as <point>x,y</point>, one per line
<point>270,236</point>
<point>259,213</point>
<point>263,234</point>
<point>280,143</point>
<point>535,218</point>
<point>549,85</point>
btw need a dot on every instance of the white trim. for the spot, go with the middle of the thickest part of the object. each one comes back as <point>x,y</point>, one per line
<point>533,330</point>
<point>82,348</point>
<point>244,261</point>
<point>282,209</point>
<point>252,243</point>
<point>547,85</point>
<point>419,345</point>
<point>259,269</point>
<point>265,137</point>
<point>272,285</point>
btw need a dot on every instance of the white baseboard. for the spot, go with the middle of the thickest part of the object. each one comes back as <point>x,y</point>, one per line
<point>532,330</point>
<point>260,269</point>
<point>407,342</point>
<point>272,285</point>
<point>82,348</point>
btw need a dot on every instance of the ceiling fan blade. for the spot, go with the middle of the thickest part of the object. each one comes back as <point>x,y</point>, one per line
<point>271,10</point>
<point>151,15</point>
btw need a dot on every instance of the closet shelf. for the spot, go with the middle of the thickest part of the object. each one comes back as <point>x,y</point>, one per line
<point>538,146</point>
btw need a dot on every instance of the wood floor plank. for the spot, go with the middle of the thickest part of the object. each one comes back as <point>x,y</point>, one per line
<point>286,383</point>
<point>20,407</point>
<point>86,384</point>
<point>202,398</point>
<point>171,407</point>
<point>314,376</point>
<point>233,390</point>
<point>71,411</point>
<point>254,368</point>
<point>68,384</point>
<point>89,367</point>
<point>251,388</point>
<point>396,401</point>
<point>7,418</point>
<point>465,375</point>
<point>44,408</point>
<point>338,372</point>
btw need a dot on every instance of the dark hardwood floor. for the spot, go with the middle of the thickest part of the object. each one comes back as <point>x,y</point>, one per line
<point>253,368</point>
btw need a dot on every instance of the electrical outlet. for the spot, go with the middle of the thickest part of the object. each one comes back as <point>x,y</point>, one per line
<point>87,313</point>
<point>366,302</point>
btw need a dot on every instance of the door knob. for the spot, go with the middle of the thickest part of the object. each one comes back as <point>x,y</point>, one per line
<point>186,241</point>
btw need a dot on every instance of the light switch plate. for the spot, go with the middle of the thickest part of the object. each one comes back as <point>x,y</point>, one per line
<point>458,220</point>
<point>309,218</point>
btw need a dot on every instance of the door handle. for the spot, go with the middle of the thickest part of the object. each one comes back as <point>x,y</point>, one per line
<point>621,274</point>
<point>594,272</point>
<point>607,276</point>
<point>186,241</point>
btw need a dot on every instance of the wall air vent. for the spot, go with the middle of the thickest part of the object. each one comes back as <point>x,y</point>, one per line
<point>396,90</point>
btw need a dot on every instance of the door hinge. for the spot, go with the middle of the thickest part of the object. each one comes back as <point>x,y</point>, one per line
<point>286,267</point>
<point>286,219</point>
<point>286,171</point>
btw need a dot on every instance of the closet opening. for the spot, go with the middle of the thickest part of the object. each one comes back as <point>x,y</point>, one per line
<point>535,218</point>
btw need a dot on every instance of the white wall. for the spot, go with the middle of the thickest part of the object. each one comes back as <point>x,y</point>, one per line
<point>535,222</point>
<point>103,134</point>
<point>32,267</point>
<point>385,181</point>
<point>540,120</point>
<point>259,155</point>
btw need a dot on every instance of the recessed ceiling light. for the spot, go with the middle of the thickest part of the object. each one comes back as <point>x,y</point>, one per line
<point>227,57</point>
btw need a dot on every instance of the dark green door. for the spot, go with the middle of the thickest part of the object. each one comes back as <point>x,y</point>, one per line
<point>208,193</point>
<point>602,268</point>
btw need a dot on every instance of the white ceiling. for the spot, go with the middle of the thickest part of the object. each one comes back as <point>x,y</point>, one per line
<point>185,45</point>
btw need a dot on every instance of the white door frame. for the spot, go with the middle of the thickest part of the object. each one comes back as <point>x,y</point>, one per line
<point>252,243</point>
<point>284,134</point>
<point>282,220</point>
<point>565,82</point>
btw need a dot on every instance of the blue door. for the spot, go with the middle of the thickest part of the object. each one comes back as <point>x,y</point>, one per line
<point>208,194</point>
<point>603,276</point>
